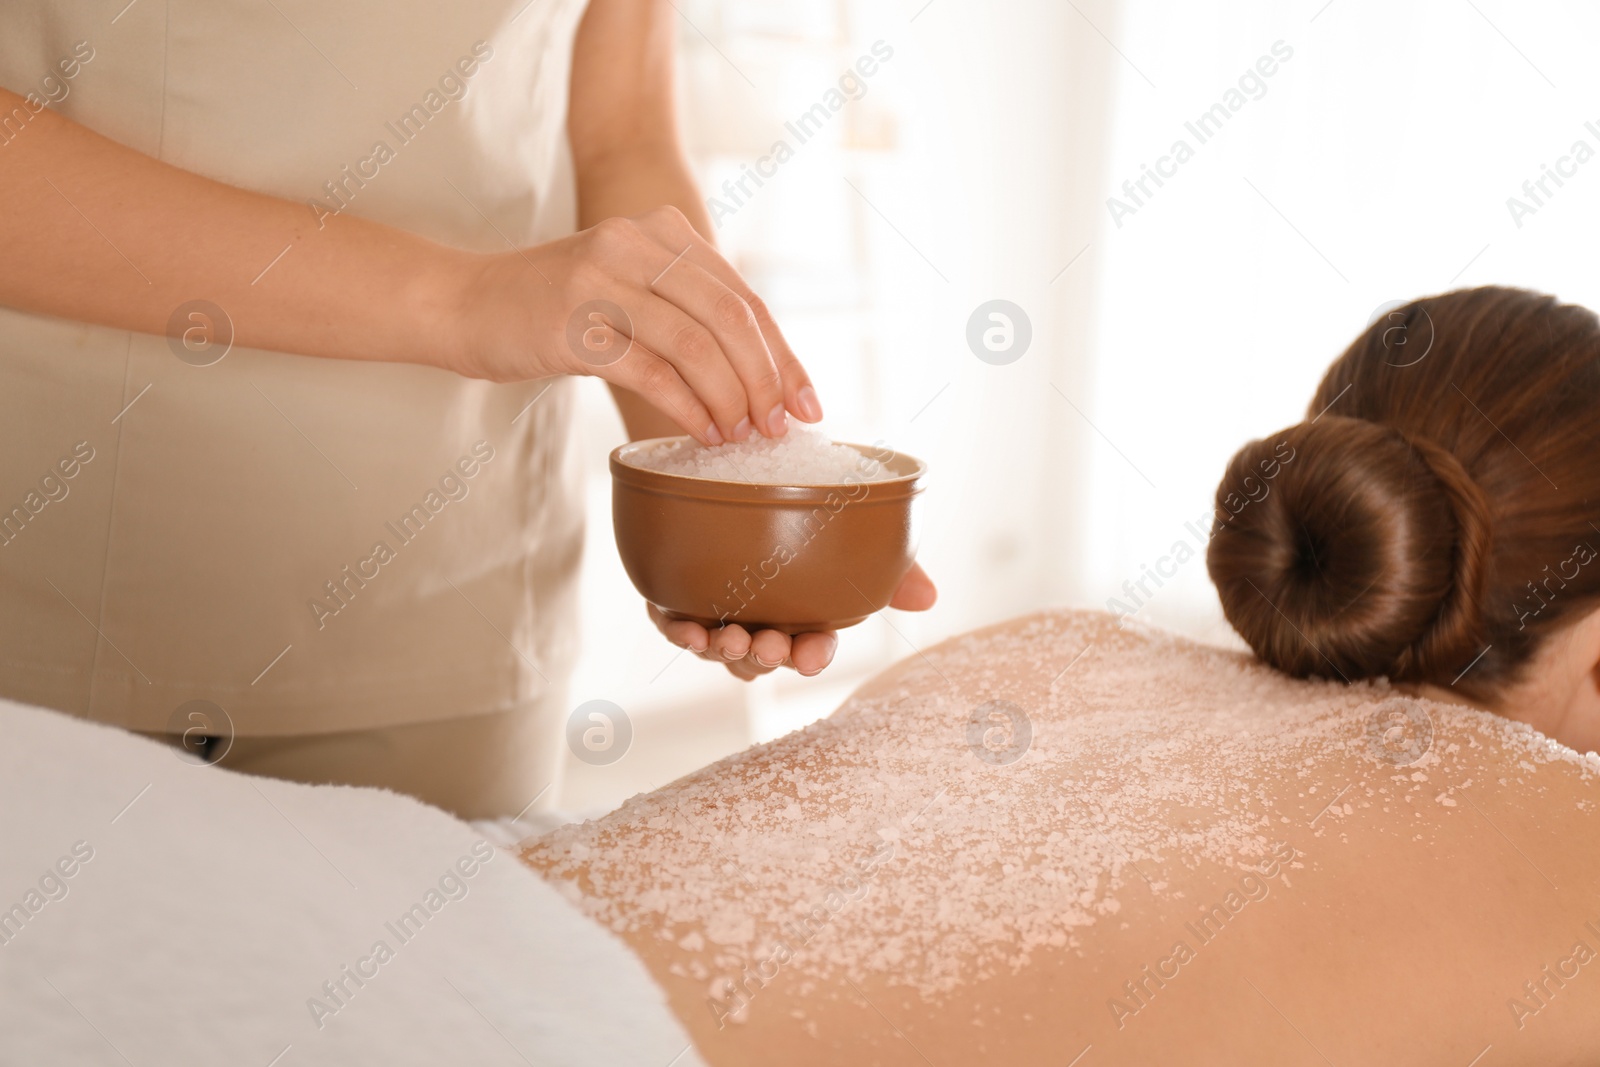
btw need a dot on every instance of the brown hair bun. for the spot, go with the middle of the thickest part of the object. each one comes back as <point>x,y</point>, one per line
<point>1362,554</point>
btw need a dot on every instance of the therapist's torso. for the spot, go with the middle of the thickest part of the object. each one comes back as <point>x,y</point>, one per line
<point>312,544</point>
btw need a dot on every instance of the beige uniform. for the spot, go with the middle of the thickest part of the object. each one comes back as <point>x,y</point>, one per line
<point>369,567</point>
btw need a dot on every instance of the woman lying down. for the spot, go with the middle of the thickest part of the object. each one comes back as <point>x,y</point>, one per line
<point>1061,841</point>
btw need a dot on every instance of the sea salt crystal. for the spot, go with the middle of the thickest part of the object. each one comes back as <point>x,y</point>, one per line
<point>803,456</point>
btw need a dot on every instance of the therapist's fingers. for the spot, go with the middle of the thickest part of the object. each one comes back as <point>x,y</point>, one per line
<point>668,226</point>
<point>697,354</point>
<point>800,395</point>
<point>916,591</point>
<point>731,642</point>
<point>683,633</point>
<point>658,381</point>
<point>732,321</point>
<point>748,655</point>
<point>769,648</point>
<point>766,650</point>
<point>810,653</point>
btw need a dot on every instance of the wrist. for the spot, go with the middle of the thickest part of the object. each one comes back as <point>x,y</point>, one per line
<point>439,305</point>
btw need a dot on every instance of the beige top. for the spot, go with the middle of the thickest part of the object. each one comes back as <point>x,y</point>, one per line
<point>313,544</point>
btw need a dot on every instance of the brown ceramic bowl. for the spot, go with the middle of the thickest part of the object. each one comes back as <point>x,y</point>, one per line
<point>781,557</point>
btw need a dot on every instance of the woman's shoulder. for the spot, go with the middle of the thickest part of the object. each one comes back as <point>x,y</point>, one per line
<point>1072,830</point>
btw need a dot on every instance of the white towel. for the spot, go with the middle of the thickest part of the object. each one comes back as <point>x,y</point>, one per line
<point>162,912</point>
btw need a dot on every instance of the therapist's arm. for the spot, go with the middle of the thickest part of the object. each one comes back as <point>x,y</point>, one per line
<point>628,155</point>
<point>626,148</point>
<point>95,231</point>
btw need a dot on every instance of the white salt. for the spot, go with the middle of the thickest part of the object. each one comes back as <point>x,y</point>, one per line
<point>912,863</point>
<point>803,456</point>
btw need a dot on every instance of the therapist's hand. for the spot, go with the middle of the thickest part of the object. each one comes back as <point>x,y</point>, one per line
<point>749,655</point>
<point>649,305</point>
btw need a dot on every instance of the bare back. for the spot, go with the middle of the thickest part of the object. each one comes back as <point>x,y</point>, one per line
<point>1058,842</point>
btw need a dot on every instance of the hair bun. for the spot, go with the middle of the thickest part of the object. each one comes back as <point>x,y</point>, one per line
<point>1341,548</point>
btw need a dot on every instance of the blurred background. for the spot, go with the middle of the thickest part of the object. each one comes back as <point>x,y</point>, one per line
<point>1372,165</point>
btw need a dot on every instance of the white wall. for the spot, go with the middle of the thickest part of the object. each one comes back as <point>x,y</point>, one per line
<point>967,172</point>
<point>1375,167</point>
